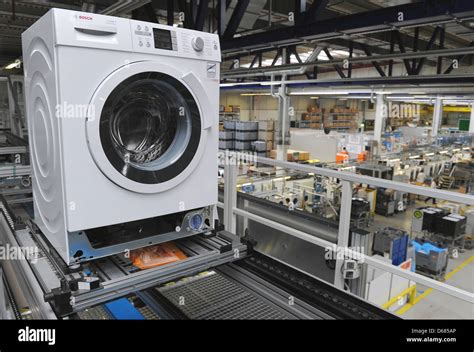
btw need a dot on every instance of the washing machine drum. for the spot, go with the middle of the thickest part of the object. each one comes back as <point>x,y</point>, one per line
<point>150,128</point>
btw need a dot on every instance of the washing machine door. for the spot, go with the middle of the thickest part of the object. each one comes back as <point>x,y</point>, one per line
<point>147,129</point>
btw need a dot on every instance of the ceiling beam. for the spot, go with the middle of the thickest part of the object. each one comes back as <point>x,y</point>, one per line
<point>384,19</point>
<point>236,18</point>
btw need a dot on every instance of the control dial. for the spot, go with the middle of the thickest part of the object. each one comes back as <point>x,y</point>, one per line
<point>198,44</point>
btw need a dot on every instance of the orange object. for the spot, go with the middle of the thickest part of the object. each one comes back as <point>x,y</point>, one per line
<point>160,254</point>
<point>362,156</point>
<point>342,157</point>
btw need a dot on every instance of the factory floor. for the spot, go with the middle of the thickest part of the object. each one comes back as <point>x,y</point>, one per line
<point>431,304</point>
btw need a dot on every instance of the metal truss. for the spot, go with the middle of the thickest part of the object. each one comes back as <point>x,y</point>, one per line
<point>414,61</point>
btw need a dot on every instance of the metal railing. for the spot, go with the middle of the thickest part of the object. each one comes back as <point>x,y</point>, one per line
<point>347,179</point>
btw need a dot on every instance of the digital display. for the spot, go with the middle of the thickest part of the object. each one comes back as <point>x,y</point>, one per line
<point>162,39</point>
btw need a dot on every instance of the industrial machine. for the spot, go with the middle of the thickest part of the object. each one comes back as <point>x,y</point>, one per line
<point>221,277</point>
<point>376,170</point>
<point>123,129</point>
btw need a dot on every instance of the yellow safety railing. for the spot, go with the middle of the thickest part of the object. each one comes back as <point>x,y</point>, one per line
<point>411,292</point>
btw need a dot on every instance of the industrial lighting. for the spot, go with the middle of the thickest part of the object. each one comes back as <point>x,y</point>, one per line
<point>336,92</point>
<point>443,152</point>
<point>237,84</point>
<point>254,94</point>
<point>414,157</point>
<point>394,160</point>
<point>282,179</point>
<point>456,150</point>
<point>314,98</point>
<point>14,65</point>
<point>430,154</point>
<point>466,148</point>
<point>326,92</point>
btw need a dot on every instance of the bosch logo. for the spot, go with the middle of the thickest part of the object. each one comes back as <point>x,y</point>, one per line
<point>87,18</point>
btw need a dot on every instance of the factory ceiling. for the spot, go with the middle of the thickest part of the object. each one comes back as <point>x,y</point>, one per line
<point>248,26</point>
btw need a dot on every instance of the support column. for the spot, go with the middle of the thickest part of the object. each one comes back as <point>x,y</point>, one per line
<point>230,193</point>
<point>471,124</point>
<point>283,114</point>
<point>437,116</point>
<point>344,228</point>
<point>380,114</point>
<point>282,148</point>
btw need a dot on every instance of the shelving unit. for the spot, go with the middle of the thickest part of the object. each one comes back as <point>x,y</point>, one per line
<point>345,120</point>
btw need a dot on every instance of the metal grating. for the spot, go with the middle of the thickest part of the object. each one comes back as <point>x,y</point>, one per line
<point>147,313</point>
<point>215,297</point>
<point>94,313</point>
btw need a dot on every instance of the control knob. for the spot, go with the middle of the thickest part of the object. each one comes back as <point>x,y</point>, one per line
<point>198,44</point>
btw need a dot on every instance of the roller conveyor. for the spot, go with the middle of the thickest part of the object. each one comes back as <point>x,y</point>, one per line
<point>222,278</point>
<point>256,287</point>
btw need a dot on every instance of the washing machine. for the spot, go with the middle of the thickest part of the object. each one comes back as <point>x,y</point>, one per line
<point>123,131</point>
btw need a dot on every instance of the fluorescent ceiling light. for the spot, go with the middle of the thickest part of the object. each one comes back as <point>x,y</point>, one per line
<point>337,92</point>
<point>415,156</point>
<point>325,92</point>
<point>254,94</point>
<point>430,154</point>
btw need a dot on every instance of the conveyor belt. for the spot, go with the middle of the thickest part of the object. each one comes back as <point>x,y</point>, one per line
<point>213,296</point>
<point>257,287</point>
<point>314,292</point>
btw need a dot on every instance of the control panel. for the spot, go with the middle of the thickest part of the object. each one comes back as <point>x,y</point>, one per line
<point>174,41</point>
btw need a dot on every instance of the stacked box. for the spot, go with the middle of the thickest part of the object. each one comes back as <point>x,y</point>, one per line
<point>226,139</point>
<point>266,133</point>
<point>452,225</point>
<point>259,146</point>
<point>246,132</point>
<point>429,218</point>
<point>246,126</point>
<point>292,155</point>
<point>229,125</point>
<point>267,125</point>
<point>246,136</point>
<point>242,145</point>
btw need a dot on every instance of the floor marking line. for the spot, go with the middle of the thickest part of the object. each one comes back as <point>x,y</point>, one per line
<point>461,266</point>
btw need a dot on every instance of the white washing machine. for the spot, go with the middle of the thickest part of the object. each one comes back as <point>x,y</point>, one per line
<point>123,127</point>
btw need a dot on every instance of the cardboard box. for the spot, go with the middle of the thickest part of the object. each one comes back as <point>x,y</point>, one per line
<point>267,125</point>
<point>266,135</point>
<point>293,155</point>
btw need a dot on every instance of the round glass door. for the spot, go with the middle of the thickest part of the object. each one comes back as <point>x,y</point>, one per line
<point>150,128</point>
